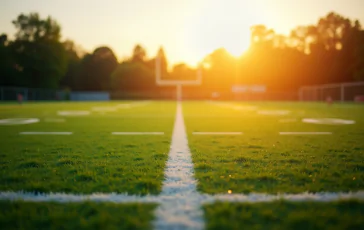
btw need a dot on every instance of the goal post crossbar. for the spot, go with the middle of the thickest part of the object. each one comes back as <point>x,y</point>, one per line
<point>177,83</point>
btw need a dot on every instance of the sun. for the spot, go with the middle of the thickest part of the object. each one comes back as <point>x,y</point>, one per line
<point>238,45</point>
<point>220,24</point>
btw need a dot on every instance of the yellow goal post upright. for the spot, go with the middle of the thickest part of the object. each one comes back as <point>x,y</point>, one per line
<point>177,83</point>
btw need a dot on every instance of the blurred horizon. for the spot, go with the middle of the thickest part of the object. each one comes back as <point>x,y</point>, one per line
<point>188,30</point>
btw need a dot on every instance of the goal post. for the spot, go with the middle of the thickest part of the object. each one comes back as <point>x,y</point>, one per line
<point>342,92</point>
<point>177,83</point>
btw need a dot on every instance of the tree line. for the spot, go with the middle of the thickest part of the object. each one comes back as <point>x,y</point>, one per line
<point>331,51</point>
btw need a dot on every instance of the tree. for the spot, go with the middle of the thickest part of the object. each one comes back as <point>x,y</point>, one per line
<point>37,51</point>
<point>96,69</point>
<point>8,71</point>
<point>32,28</point>
<point>73,64</point>
<point>163,62</point>
<point>130,76</point>
<point>139,54</point>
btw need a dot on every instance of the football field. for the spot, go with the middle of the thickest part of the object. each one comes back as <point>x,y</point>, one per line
<point>181,165</point>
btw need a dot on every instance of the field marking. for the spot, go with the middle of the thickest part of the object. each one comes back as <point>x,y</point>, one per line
<point>181,208</point>
<point>137,133</point>
<point>180,203</point>
<point>305,133</point>
<point>74,113</point>
<point>273,112</point>
<point>18,121</point>
<point>328,121</point>
<point>217,133</point>
<point>104,109</point>
<point>124,106</point>
<point>134,104</point>
<point>45,133</point>
<point>200,199</point>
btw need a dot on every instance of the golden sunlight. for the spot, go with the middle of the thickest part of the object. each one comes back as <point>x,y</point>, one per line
<point>220,24</point>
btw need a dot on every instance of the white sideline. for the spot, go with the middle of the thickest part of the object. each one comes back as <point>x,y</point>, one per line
<point>305,133</point>
<point>217,133</point>
<point>45,133</point>
<point>137,133</point>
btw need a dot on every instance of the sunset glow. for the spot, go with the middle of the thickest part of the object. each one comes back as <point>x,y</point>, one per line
<point>187,29</point>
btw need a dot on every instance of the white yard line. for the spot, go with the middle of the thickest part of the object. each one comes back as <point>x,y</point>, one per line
<point>305,133</point>
<point>45,133</point>
<point>217,133</point>
<point>200,199</point>
<point>181,208</point>
<point>179,202</point>
<point>137,133</point>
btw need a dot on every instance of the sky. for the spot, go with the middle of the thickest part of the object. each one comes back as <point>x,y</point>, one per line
<point>188,30</point>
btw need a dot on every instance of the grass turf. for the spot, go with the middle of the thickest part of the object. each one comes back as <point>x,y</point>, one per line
<point>285,215</point>
<point>90,160</point>
<point>260,160</point>
<point>28,215</point>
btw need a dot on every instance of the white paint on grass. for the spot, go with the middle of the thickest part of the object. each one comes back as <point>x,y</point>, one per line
<point>273,112</point>
<point>180,203</point>
<point>135,104</point>
<point>45,133</point>
<point>180,208</point>
<point>217,133</point>
<point>18,121</point>
<point>200,199</point>
<point>299,197</point>
<point>137,133</point>
<point>104,109</point>
<point>124,106</point>
<point>328,121</point>
<point>305,133</point>
<point>74,113</point>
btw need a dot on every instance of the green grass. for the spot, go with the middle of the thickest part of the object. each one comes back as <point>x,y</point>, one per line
<point>285,216</point>
<point>28,215</point>
<point>263,161</point>
<point>90,160</point>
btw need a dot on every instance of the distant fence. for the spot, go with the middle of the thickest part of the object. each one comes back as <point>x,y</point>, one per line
<point>351,91</point>
<point>338,92</point>
<point>89,96</point>
<point>161,93</point>
<point>29,94</point>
